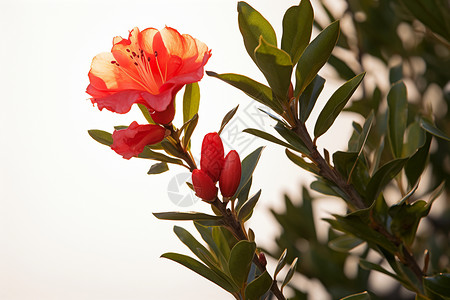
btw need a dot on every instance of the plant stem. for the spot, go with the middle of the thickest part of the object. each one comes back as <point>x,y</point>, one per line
<point>235,227</point>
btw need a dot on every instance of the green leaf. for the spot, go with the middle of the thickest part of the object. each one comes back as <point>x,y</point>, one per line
<point>191,101</point>
<point>315,56</point>
<point>293,139</point>
<point>345,243</point>
<point>196,247</point>
<point>428,126</point>
<point>200,269</point>
<point>150,154</point>
<point>415,139</point>
<point>146,113</point>
<point>206,234</point>
<point>243,194</point>
<point>417,162</point>
<point>324,188</point>
<point>101,136</point>
<point>158,168</point>
<point>280,264</point>
<point>290,273</point>
<point>335,105</point>
<point>247,208</point>
<point>189,130</point>
<point>252,88</point>
<point>344,71</point>
<point>252,26</point>
<point>258,287</point>
<point>359,296</point>
<point>397,118</point>
<point>383,176</point>
<point>171,148</point>
<point>396,73</point>
<point>308,98</point>
<point>248,166</point>
<point>276,65</point>
<point>241,257</point>
<point>227,118</point>
<point>438,285</point>
<point>268,137</point>
<point>221,241</point>
<point>299,161</point>
<point>297,27</point>
<point>186,216</point>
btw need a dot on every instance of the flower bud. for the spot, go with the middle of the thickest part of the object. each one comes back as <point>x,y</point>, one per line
<point>211,161</point>
<point>230,176</point>
<point>204,187</point>
<point>262,259</point>
<point>164,117</point>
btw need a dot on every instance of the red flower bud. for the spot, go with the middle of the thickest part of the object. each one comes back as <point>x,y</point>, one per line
<point>230,176</point>
<point>262,259</point>
<point>203,185</point>
<point>131,141</point>
<point>211,161</point>
<point>166,116</point>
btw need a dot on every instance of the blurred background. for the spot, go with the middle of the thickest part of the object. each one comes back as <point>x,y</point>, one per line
<point>75,218</point>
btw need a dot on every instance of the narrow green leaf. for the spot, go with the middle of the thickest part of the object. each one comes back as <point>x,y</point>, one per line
<point>227,118</point>
<point>438,284</point>
<point>290,273</point>
<point>186,216</point>
<point>158,168</point>
<point>189,130</point>
<point>297,27</point>
<point>241,257</point>
<point>335,105</point>
<point>396,73</point>
<point>428,126</point>
<point>252,88</point>
<point>194,246</point>
<point>308,98</point>
<point>200,269</point>
<point>101,136</point>
<point>315,56</point>
<point>247,208</point>
<point>417,162</point>
<point>359,296</point>
<point>345,243</point>
<point>221,242</point>
<point>397,118</point>
<point>293,139</point>
<point>276,65</point>
<point>248,166</point>
<point>299,161</point>
<point>150,154</point>
<point>206,234</point>
<point>268,137</point>
<point>120,127</point>
<point>280,264</point>
<point>146,113</point>
<point>383,176</point>
<point>367,265</point>
<point>415,139</point>
<point>171,148</point>
<point>258,287</point>
<point>344,71</point>
<point>243,194</point>
<point>252,26</point>
<point>191,101</point>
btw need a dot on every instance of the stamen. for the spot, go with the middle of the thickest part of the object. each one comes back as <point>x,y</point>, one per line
<point>113,62</point>
<point>128,50</point>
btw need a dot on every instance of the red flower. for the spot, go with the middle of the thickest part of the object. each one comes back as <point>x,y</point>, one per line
<point>131,141</point>
<point>230,177</point>
<point>149,67</point>
<point>204,187</point>
<point>211,161</point>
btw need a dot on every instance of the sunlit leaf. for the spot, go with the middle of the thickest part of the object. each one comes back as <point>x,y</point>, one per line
<point>227,118</point>
<point>191,101</point>
<point>248,165</point>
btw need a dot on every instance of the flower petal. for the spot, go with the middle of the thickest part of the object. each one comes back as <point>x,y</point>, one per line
<point>119,102</point>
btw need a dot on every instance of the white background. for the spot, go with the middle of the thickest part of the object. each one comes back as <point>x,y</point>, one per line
<point>75,218</point>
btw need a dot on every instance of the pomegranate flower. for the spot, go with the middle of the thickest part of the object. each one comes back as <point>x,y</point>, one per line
<point>131,141</point>
<point>149,68</point>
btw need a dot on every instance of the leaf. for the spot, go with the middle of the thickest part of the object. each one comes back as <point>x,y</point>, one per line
<point>200,269</point>
<point>146,113</point>
<point>417,162</point>
<point>438,284</point>
<point>252,26</point>
<point>308,98</point>
<point>428,126</point>
<point>345,243</point>
<point>241,257</point>
<point>221,241</point>
<point>186,216</point>
<point>252,88</point>
<point>191,101</point>
<point>158,168</point>
<point>247,208</point>
<point>335,105</point>
<point>150,154</point>
<point>297,27</point>
<point>101,136</point>
<point>206,234</point>
<point>171,148</point>
<point>268,137</point>
<point>280,264</point>
<point>396,73</point>
<point>227,118</point>
<point>397,117</point>
<point>383,176</point>
<point>276,65</point>
<point>299,161</point>
<point>248,166</point>
<point>189,130</point>
<point>293,139</point>
<point>258,287</point>
<point>290,273</point>
<point>367,265</point>
<point>243,194</point>
<point>315,56</point>
<point>344,71</point>
<point>359,296</point>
